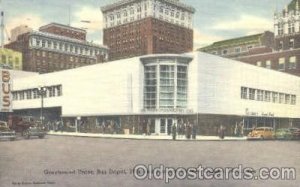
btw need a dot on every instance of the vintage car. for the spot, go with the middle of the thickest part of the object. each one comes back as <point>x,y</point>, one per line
<point>261,133</point>
<point>283,134</point>
<point>34,131</point>
<point>5,132</point>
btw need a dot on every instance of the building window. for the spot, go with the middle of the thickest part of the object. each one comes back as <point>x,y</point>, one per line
<point>49,44</point>
<point>3,58</point>
<point>287,99</point>
<point>244,93</point>
<point>258,63</point>
<point>251,94</point>
<point>292,62</point>
<point>55,45</point>
<point>291,43</point>
<point>225,52</point>
<point>267,96</point>
<point>281,65</point>
<point>131,11</point>
<point>280,47</point>
<point>150,87</point>
<point>15,96</point>
<point>280,29</point>
<point>166,99</point>
<point>293,100</point>
<point>125,13</point>
<point>35,94</point>
<point>182,86</point>
<point>268,64</point>
<point>43,43</point>
<point>59,90</point>
<point>237,50</point>
<point>28,94</point>
<point>260,95</point>
<point>281,97</point>
<point>274,97</point>
<point>291,28</point>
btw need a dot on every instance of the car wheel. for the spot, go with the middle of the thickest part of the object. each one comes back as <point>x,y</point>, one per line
<point>42,136</point>
<point>262,137</point>
<point>12,139</point>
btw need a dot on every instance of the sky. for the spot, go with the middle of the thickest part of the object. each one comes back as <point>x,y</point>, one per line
<point>214,20</point>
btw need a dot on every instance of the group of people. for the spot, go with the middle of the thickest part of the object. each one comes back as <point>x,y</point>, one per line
<point>188,130</point>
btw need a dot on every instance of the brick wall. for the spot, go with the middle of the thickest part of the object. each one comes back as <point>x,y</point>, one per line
<point>147,36</point>
<point>274,58</point>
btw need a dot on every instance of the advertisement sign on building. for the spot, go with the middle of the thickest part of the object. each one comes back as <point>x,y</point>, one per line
<point>6,104</point>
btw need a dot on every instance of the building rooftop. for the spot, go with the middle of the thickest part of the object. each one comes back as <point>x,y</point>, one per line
<point>54,36</point>
<point>62,26</point>
<point>234,41</point>
<point>294,5</point>
<point>125,2</point>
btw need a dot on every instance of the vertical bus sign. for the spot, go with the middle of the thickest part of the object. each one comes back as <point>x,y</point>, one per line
<point>6,104</point>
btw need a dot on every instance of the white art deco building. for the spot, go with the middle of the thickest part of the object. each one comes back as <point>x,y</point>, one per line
<point>156,91</point>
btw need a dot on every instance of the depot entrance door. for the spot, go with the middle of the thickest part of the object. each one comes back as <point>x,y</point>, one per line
<point>164,126</point>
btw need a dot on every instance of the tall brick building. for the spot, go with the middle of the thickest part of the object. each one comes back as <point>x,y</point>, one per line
<point>139,27</point>
<point>57,47</point>
<point>284,53</point>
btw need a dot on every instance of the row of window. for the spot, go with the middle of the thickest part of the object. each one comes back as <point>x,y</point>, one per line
<point>267,96</point>
<point>9,59</point>
<point>64,57</point>
<point>35,93</point>
<point>290,28</point>
<point>67,47</point>
<point>232,51</point>
<point>282,63</point>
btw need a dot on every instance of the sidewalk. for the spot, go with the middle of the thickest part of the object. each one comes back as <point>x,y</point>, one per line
<point>144,137</point>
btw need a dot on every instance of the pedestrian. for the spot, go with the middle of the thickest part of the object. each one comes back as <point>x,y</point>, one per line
<point>236,130</point>
<point>222,132</point>
<point>148,128</point>
<point>194,132</point>
<point>174,131</point>
<point>188,131</point>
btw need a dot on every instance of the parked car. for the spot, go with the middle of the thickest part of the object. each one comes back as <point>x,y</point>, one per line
<point>295,133</point>
<point>5,132</point>
<point>283,134</point>
<point>261,133</point>
<point>34,131</point>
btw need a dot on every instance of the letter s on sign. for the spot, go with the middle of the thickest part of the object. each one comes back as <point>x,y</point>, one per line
<point>5,76</point>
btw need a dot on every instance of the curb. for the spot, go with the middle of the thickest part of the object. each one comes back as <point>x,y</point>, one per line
<point>141,138</point>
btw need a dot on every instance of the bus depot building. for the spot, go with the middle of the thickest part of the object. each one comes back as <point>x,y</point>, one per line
<point>151,93</point>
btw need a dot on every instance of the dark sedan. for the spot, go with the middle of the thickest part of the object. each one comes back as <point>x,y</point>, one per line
<point>34,131</point>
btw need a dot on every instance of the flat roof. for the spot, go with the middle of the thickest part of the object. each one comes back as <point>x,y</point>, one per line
<point>62,26</point>
<point>125,2</point>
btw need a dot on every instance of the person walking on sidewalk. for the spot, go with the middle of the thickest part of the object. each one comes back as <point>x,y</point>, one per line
<point>194,131</point>
<point>174,131</point>
<point>222,132</point>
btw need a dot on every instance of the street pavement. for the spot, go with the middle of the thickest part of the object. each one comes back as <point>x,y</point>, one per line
<point>85,161</point>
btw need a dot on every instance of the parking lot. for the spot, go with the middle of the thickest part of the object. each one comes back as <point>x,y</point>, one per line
<point>81,161</point>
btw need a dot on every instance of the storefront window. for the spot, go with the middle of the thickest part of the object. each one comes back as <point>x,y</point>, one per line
<point>150,87</point>
<point>166,81</point>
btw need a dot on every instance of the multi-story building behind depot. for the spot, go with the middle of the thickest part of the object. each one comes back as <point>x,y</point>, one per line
<point>139,27</point>
<point>283,55</point>
<point>57,47</point>
<point>242,46</point>
<point>10,59</point>
<point>155,91</point>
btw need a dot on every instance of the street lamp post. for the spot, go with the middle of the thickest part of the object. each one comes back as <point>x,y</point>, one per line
<point>42,91</point>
